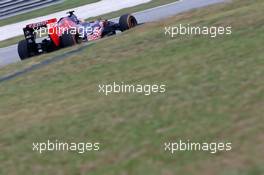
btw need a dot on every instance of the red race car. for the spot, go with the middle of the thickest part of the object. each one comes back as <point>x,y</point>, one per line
<point>68,31</point>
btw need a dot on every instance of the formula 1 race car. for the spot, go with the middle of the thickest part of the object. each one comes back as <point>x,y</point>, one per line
<point>68,31</point>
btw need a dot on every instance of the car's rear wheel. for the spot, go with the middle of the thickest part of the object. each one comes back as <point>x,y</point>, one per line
<point>23,50</point>
<point>67,39</point>
<point>127,22</point>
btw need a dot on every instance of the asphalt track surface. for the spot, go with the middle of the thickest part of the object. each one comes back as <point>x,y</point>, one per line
<point>9,54</point>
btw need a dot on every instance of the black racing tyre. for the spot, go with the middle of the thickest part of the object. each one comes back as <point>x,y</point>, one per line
<point>67,39</point>
<point>127,22</point>
<point>23,50</point>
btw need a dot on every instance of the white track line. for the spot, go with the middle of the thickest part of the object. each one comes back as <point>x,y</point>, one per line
<point>158,7</point>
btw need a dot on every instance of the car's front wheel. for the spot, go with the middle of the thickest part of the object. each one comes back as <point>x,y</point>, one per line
<point>127,22</point>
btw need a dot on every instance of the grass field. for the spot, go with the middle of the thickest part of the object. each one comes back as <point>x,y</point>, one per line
<point>153,3</point>
<point>214,93</point>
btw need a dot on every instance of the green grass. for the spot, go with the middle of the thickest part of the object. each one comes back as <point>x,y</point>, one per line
<point>11,41</point>
<point>153,3</point>
<point>214,93</point>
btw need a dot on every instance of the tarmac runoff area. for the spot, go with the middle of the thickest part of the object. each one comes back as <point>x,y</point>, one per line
<point>9,54</point>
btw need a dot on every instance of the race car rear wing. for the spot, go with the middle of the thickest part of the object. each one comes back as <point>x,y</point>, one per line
<point>43,24</point>
<point>31,29</point>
